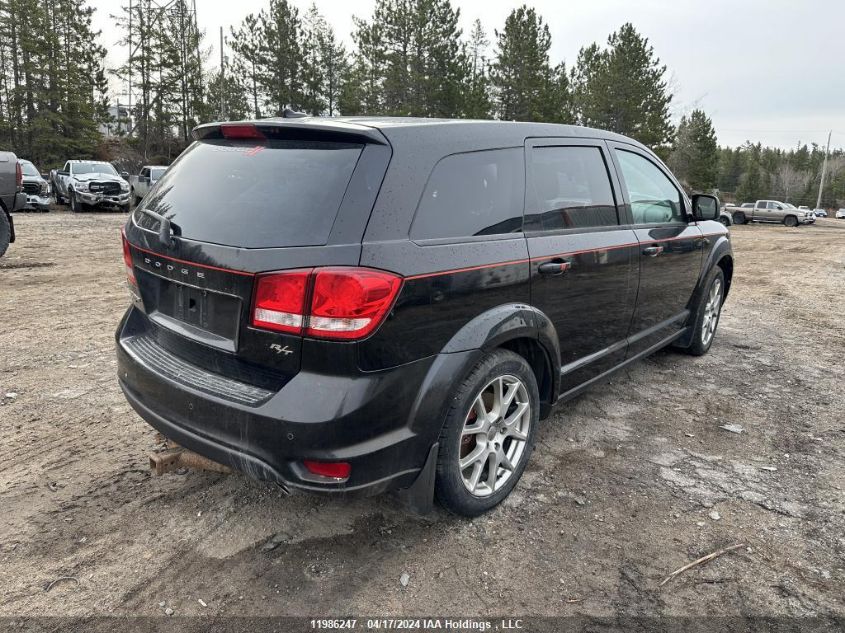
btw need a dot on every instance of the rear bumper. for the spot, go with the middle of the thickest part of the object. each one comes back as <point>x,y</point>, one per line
<point>383,423</point>
<point>18,201</point>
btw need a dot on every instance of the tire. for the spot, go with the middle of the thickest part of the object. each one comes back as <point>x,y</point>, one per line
<point>739,218</point>
<point>135,199</point>
<point>125,208</point>
<point>59,198</point>
<point>706,314</point>
<point>501,372</point>
<point>791,221</point>
<point>5,233</point>
<point>724,220</point>
<point>75,205</point>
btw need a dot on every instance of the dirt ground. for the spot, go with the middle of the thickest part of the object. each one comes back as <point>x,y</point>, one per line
<point>629,482</point>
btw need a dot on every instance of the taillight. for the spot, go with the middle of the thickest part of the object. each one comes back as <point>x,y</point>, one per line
<point>335,470</point>
<point>349,303</point>
<point>18,176</point>
<point>330,303</point>
<point>127,259</point>
<point>280,301</point>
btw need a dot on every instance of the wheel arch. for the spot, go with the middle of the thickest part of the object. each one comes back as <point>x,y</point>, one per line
<point>721,255</point>
<point>9,219</point>
<point>538,359</point>
<point>523,330</point>
<point>726,263</point>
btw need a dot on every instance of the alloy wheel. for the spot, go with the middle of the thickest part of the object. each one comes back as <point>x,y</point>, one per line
<point>711,312</point>
<point>494,435</point>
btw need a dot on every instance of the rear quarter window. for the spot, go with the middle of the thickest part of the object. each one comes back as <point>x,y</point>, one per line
<point>271,194</point>
<point>472,194</point>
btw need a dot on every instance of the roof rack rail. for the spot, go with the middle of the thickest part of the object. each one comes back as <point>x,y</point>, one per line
<point>293,114</point>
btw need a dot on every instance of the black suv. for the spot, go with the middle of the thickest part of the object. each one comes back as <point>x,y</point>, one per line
<point>393,304</point>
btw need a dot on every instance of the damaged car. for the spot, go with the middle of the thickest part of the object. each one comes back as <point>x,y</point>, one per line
<point>91,183</point>
<point>35,188</point>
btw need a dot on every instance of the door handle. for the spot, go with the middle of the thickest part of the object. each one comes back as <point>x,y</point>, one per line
<point>554,267</point>
<point>653,251</point>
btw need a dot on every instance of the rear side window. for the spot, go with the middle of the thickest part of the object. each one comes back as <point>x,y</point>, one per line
<point>654,199</point>
<point>569,188</point>
<point>274,194</point>
<point>477,193</point>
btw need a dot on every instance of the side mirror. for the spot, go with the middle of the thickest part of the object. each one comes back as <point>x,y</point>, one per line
<point>124,175</point>
<point>705,207</point>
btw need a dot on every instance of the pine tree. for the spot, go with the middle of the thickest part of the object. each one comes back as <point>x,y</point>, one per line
<point>325,64</point>
<point>281,58</point>
<point>246,44</point>
<point>226,92</point>
<point>752,186</point>
<point>523,80</point>
<point>730,169</point>
<point>362,89</point>
<point>622,89</point>
<point>52,79</point>
<point>441,60</point>
<point>409,60</point>
<point>477,103</point>
<point>695,152</point>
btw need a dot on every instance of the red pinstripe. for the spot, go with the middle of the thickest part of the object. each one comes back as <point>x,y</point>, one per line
<point>566,254</point>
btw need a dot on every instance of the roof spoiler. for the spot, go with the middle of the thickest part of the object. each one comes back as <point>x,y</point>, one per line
<point>295,128</point>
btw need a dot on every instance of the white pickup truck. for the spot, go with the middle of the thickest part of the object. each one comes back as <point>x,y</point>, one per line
<point>90,182</point>
<point>141,184</point>
<point>770,211</point>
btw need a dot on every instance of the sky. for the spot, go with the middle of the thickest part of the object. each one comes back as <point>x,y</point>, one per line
<point>763,70</point>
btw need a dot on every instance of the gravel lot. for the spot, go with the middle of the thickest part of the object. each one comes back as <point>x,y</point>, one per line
<point>629,482</point>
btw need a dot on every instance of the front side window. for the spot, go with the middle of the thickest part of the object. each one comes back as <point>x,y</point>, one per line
<point>569,187</point>
<point>654,198</point>
<point>477,193</point>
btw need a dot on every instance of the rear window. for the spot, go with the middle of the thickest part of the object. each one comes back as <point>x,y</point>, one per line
<point>478,193</point>
<point>276,193</point>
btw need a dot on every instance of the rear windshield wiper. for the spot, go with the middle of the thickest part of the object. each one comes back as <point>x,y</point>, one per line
<point>165,231</point>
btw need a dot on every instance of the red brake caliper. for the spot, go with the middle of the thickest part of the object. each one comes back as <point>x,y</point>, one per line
<point>468,441</point>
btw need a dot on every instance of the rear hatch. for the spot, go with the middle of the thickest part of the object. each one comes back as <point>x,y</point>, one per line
<point>243,201</point>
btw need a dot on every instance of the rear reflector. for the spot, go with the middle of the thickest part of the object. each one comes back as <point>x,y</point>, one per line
<point>240,131</point>
<point>345,303</point>
<point>280,301</point>
<point>335,470</point>
<point>127,259</point>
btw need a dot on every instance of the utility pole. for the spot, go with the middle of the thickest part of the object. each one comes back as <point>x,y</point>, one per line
<point>129,63</point>
<point>222,79</point>
<point>824,169</point>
